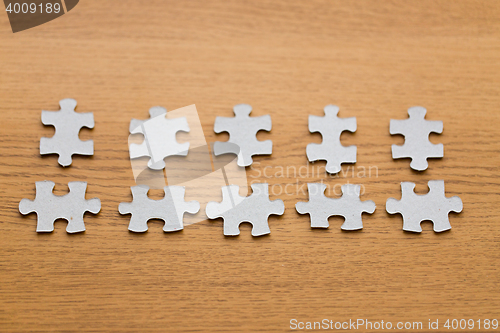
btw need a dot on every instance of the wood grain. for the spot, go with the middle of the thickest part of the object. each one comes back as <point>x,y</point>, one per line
<point>288,59</point>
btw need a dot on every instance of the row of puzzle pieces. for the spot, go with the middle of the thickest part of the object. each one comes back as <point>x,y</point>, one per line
<point>160,136</point>
<point>243,142</point>
<point>235,209</point>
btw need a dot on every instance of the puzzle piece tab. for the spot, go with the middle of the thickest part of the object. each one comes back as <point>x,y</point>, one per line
<point>320,207</point>
<point>433,206</point>
<point>66,141</point>
<point>235,209</point>
<point>331,127</point>
<point>159,137</point>
<point>50,207</point>
<point>242,131</point>
<point>170,209</point>
<point>416,131</point>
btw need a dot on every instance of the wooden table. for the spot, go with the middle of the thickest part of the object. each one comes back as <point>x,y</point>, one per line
<point>288,59</point>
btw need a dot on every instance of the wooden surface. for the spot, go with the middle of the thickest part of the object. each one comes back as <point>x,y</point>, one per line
<point>288,59</point>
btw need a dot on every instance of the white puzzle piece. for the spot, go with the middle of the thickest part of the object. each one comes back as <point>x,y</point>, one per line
<point>320,207</point>
<point>433,206</point>
<point>170,209</point>
<point>416,131</point>
<point>331,127</point>
<point>242,131</point>
<point>159,137</point>
<point>235,209</point>
<point>50,207</point>
<point>66,141</point>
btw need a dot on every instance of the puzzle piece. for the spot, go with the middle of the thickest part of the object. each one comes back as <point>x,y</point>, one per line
<point>50,207</point>
<point>320,207</point>
<point>331,127</point>
<point>255,209</point>
<point>159,137</point>
<point>433,206</point>
<point>242,131</point>
<point>68,124</point>
<point>417,145</point>
<point>170,209</point>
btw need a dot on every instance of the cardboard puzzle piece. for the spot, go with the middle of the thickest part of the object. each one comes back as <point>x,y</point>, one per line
<point>433,206</point>
<point>235,209</point>
<point>320,207</point>
<point>242,131</point>
<point>159,137</point>
<point>66,141</point>
<point>416,131</point>
<point>170,209</point>
<point>50,207</point>
<point>331,127</point>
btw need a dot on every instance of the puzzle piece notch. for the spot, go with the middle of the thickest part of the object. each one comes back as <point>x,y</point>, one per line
<point>320,207</point>
<point>255,209</point>
<point>433,206</point>
<point>66,141</point>
<point>159,137</point>
<point>416,130</point>
<point>170,209</point>
<point>242,131</point>
<point>50,207</point>
<point>331,149</point>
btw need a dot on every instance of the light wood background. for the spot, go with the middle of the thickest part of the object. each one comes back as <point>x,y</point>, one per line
<point>289,59</point>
